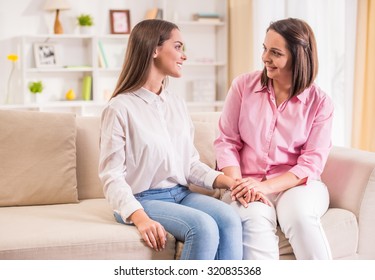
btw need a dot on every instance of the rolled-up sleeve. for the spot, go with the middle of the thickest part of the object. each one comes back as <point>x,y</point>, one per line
<point>314,154</point>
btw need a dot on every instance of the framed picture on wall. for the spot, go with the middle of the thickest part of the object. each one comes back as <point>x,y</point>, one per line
<point>120,21</point>
<point>45,55</point>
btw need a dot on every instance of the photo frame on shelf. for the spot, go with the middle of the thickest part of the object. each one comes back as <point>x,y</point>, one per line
<point>46,55</point>
<point>120,21</point>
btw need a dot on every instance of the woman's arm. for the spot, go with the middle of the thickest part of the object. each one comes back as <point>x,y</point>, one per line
<point>274,185</point>
<point>118,192</point>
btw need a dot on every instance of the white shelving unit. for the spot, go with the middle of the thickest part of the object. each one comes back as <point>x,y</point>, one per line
<point>203,84</point>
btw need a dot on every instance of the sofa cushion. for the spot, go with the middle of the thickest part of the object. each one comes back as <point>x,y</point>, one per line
<point>85,230</point>
<point>204,137</point>
<point>205,134</point>
<point>38,158</point>
<point>89,184</point>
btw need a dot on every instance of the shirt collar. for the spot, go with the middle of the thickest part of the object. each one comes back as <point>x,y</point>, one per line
<point>150,97</point>
<point>301,97</point>
<point>260,88</point>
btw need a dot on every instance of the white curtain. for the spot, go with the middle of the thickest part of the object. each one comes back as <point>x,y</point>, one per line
<point>334,25</point>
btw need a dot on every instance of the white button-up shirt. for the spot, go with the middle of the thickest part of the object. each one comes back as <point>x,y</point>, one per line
<point>147,142</point>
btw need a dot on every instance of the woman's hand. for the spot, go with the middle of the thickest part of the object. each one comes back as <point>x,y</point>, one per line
<point>152,232</point>
<point>248,190</point>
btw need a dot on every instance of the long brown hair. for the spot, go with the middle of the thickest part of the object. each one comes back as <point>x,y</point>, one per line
<point>145,37</point>
<point>301,43</point>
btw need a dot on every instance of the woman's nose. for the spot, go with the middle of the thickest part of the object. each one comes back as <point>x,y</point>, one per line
<point>265,56</point>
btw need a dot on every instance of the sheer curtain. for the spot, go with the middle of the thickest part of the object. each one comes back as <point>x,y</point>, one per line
<point>334,25</point>
<point>364,91</point>
<point>240,39</point>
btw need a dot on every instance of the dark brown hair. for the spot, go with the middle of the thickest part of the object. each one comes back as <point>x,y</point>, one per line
<point>301,43</point>
<point>145,37</point>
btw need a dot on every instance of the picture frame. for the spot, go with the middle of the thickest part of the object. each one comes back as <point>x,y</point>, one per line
<point>120,21</point>
<point>46,55</point>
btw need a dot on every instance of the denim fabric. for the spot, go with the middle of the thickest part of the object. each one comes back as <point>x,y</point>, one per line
<point>209,228</point>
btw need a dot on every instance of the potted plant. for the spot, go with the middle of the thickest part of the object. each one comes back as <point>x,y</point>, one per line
<point>36,88</point>
<point>85,23</point>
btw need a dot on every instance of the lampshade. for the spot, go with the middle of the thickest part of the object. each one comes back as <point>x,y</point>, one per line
<point>53,5</point>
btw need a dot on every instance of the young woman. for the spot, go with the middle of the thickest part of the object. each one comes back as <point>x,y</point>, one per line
<point>147,156</point>
<point>275,136</point>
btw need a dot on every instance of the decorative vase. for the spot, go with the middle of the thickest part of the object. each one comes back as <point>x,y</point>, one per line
<point>85,30</point>
<point>36,98</point>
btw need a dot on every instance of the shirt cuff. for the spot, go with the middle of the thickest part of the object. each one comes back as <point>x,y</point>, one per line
<point>210,178</point>
<point>131,207</point>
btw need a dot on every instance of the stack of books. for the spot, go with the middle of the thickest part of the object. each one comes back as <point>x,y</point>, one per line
<point>206,17</point>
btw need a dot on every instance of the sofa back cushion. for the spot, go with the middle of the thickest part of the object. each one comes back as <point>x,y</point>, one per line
<point>205,133</point>
<point>88,134</point>
<point>37,158</point>
<point>348,174</point>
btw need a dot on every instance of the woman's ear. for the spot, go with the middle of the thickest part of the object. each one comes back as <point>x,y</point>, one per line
<point>156,52</point>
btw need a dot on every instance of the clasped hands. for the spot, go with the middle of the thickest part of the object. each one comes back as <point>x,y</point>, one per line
<point>247,190</point>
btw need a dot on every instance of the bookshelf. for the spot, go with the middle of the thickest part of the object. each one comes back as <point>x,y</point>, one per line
<point>99,56</point>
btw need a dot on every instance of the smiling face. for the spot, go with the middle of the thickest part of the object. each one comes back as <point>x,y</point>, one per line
<point>169,57</point>
<point>276,57</point>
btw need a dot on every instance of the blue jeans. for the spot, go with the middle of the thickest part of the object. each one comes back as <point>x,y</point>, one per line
<point>209,228</point>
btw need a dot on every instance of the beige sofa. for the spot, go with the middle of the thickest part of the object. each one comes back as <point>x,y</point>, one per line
<point>52,205</point>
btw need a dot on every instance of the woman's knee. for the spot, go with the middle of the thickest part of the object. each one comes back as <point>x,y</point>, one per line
<point>204,227</point>
<point>228,217</point>
<point>258,213</point>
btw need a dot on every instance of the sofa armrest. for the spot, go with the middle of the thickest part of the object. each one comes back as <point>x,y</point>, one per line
<point>350,177</point>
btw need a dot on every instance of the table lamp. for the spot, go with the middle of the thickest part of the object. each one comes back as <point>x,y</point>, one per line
<point>57,5</point>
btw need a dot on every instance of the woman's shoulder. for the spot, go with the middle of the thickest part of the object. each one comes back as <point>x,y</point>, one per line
<point>119,104</point>
<point>316,95</point>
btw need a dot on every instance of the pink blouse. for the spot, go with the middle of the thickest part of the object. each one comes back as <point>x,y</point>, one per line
<point>265,140</point>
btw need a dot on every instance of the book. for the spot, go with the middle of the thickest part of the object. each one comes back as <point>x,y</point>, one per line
<point>159,15</point>
<point>86,88</point>
<point>214,20</point>
<point>206,17</point>
<point>102,55</point>
<point>100,59</point>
